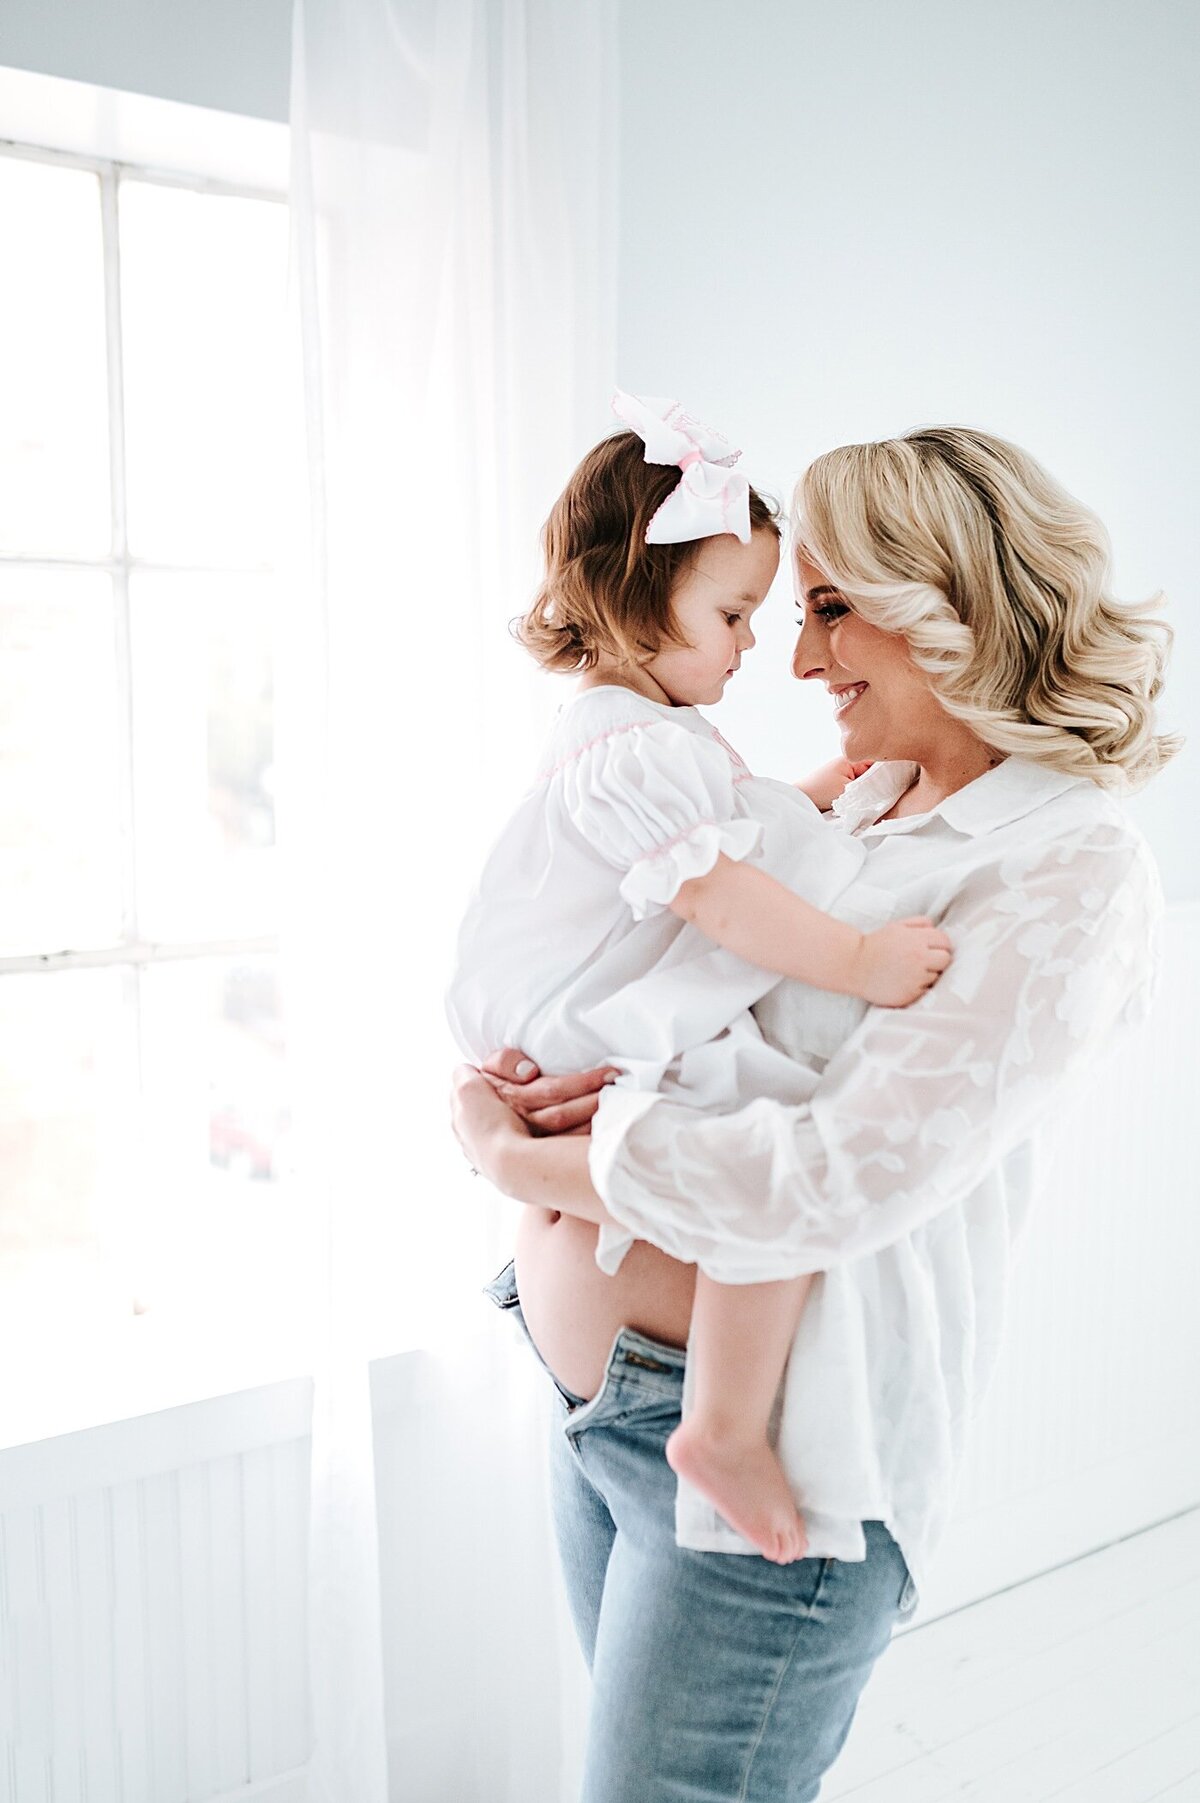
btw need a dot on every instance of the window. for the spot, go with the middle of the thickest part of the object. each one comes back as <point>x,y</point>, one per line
<point>148,426</point>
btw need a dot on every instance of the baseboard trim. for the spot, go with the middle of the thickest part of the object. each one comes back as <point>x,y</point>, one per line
<point>992,1549</point>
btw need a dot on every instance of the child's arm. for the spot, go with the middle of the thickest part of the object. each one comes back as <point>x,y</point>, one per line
<point>825,785</point>
<point>749,913</point>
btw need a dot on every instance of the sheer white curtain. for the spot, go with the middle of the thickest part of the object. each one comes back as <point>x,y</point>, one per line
<point>453,190</point>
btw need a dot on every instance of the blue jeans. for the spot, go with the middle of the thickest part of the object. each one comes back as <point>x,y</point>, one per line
<point>716,1677</point>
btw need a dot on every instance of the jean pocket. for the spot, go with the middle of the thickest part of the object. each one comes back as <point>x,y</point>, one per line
<point>503,1288</point>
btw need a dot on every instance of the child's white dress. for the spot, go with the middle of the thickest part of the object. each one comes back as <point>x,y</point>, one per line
<point>569,948</point>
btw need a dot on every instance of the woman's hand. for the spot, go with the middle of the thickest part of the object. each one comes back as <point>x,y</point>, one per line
<point>548,1173</point>
<point>547,1104</point>
<point>484,1126</point>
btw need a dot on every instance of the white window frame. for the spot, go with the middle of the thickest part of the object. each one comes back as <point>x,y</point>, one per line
<point>148,1364</point>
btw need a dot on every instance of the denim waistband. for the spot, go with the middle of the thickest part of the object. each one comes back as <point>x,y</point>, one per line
<point>637,1365</point>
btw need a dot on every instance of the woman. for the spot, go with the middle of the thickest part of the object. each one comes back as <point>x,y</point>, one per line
<point>953,604</point>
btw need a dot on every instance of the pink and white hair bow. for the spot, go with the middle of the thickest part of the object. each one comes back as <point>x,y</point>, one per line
<point>711,497</point>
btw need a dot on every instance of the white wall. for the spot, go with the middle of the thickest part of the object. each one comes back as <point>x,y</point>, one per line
<point>840,221</point>
<point>233,55</point>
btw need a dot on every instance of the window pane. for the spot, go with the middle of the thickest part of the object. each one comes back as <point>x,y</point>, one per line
<point>214,1072</point>
<point>204,748</point>
<point>208,384</point>
<point>67,1095</point>
<point>215,1076</point>
<point>54,475</point>
<point>60,875</point>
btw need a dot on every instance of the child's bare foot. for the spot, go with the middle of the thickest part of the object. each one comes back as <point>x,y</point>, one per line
<point>744,1481</point>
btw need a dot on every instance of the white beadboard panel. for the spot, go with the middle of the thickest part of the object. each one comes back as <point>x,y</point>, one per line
<point>146,1444</point>
<point>197,1590</point>
<point>258,1588</point>
<point>96,1613</point>
<point>162,1608</point>
<point>30,1708</point>
<point>154,1646</point>
<point>132,1725</point>
<point>291,1473</point>
<point>64,1651</point>
<point>31,1776</point>
<point>1092,1427</point>
<point>275,1535</point>
<point>224,1554</point>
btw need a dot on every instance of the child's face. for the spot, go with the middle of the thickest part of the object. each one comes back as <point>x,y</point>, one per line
<point>712,603</point>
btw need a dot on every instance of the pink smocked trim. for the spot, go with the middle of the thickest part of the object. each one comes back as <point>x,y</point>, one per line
<point>734,757</point>
<point>615,732</point>
<point>660,851</point>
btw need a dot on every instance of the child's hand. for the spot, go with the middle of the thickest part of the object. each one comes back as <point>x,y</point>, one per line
<point>825,785</point>
<point>900,962</point>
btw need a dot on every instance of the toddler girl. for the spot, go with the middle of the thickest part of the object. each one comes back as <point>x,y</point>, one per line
<point>649,890</point>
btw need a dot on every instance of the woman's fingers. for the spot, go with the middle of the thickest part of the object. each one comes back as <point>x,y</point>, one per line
<point>540,1095</point>
<point>567,1117</point>
<point>511,1065</point>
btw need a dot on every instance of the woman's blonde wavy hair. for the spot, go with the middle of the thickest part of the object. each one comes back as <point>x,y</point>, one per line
<point>997,579</point>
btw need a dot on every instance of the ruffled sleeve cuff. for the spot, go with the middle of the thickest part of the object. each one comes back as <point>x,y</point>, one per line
<point>655,880</point>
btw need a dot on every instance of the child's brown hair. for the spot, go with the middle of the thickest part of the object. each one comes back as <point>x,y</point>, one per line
<point>606,592</point>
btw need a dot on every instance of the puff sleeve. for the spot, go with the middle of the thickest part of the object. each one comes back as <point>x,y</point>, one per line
<point>659,803</point>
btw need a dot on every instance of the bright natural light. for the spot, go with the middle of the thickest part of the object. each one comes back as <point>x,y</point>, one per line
<point>54,436</point>
<point>203,287</point>
<point>147,425</point>
<point>60,820</point>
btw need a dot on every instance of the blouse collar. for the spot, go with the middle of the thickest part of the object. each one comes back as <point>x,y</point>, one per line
<point>1013,789</point>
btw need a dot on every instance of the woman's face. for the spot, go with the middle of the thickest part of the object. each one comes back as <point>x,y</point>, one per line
<point>884,706</point>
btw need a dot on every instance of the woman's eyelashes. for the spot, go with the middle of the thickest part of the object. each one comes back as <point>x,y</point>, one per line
<point>827,612</point>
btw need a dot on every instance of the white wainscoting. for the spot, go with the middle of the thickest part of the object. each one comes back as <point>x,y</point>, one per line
<point>152,1605</point>
<point>152,1572</point>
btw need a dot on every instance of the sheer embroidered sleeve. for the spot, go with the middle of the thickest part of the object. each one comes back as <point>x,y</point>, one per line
<point>1053,951</point>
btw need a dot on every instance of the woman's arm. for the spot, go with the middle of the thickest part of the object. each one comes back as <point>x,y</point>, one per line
<point>548,1173</point>
<point>1054,950</point>
<point>750,913</point>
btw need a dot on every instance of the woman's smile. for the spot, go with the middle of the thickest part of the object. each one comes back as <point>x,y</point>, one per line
<point>845,695</point>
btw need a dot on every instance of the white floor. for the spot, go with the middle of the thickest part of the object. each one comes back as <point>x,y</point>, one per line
<point>1082,1685</point>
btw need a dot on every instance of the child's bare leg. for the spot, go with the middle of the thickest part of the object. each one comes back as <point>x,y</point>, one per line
<point>740,1339</point>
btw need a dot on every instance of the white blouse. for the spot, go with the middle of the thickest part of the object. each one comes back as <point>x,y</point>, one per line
<point>905,1173</point>
<point>569,948</point>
